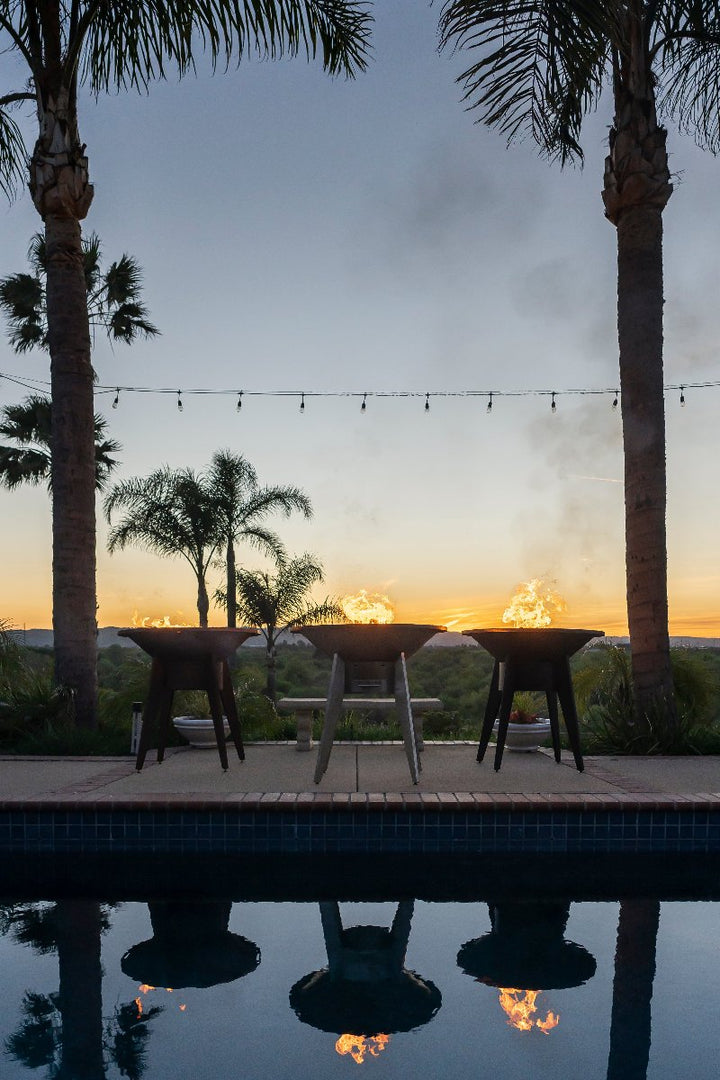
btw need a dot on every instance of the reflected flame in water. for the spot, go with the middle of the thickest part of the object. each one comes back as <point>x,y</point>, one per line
<point>146,988</point>
<point>358,1046</point>
<point>520,1007</point>
<point>533,605</point>
<point>365,607</point>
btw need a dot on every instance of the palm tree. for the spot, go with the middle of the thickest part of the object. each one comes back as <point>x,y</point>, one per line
<point>112,47</point>
<point>540,66</point>
<point>170,513</point>
<point>30,460</point>
<point>275,603</point>
<point>113,297</point>
<point>241,507</point>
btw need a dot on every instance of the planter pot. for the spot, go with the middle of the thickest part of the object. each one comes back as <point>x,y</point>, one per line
<point>198,730</point>
<point>526,737</point>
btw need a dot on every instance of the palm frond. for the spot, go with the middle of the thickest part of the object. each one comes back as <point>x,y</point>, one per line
<point>540,64</point>
<point>23,466</point>
<point>22,299</point>
<point>13,156</point>
<point>689,90</point>
<point>130,44</point>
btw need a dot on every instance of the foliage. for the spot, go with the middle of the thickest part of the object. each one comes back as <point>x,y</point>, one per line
<point>29,424</point>
<point>113,297</point>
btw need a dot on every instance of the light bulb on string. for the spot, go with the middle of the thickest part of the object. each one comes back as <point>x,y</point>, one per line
<point>116,402</point>
<point>682,396</point>
<point>553,406</point>
<point>427,403</point>
<point>238,407</point>
<point>363,407</point>
<point>615,400</point>
<point>489,404</point>
<point>179,402</point>
<point>302,403</point>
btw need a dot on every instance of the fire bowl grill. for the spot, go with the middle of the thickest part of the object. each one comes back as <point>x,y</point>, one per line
<point>534,658</point>
<point>368,658</point>
<point>188,658</point>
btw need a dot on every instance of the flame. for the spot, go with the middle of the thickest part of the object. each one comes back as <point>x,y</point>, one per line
<point>365,607</point>
<point>161,624</point>
<point>358,1046</point>
<point>521,1009</point>
<point>533,604</point>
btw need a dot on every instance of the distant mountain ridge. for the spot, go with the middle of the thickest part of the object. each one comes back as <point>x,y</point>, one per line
<point>108,635</point>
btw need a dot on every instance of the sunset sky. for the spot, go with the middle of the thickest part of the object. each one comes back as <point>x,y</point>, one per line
<point>301,234</point>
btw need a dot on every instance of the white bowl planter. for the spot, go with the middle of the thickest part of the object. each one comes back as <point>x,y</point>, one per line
<point>526,737</point>
<point>199,730</point>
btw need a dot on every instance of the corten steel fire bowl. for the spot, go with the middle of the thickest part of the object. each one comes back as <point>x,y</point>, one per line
<point>532,643</point>
<point>369,641</point>
<point>188,641</point>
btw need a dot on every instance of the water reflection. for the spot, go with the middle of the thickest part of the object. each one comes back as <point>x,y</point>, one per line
<point>365,990</point>
<point>630,1024</point>
<point>191,945</point>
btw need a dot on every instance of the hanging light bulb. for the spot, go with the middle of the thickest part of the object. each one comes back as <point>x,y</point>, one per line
<point>116,402</point>
<point>682,396</point>
<point>238,407</point>
<point>302,403</point>
<point>615,400</point>
<point>363,407</point>
<point>553,406</point>
<point>489,404</point>
<point>179,403</point>
<point>427,403</point>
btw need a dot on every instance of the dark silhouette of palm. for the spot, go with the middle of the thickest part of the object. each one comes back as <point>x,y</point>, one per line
<point>539,68</point>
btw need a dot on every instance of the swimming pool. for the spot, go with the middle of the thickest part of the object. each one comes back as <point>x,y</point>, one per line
<point>265,986</point>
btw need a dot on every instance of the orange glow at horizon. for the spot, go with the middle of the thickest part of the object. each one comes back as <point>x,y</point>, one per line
<point>520,1007</point>
<point>358,1046</point>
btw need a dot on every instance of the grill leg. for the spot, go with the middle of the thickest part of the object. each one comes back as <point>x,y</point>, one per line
<point>506,701</point>
<point>554,721</point>
<point>567,703</point>
<point>228,701</point>
<point>402,701</point>
<point>491,712</point>
<point>333,708</point>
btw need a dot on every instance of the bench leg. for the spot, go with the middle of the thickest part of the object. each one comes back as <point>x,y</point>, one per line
<point>304,718</point>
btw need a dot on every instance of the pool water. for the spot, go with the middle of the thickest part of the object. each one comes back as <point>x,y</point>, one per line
<point>628,990</point>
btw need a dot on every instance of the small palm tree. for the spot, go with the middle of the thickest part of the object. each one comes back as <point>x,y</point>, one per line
<point>113,297</point>
<point>170,513</point>
<point>241,507</point>
<point>275,603</point>
<point>29,461</point>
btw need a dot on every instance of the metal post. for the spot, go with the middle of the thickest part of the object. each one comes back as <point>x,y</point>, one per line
<point>136,726</point>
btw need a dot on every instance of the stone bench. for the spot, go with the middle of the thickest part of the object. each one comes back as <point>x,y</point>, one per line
<point>305,709</point>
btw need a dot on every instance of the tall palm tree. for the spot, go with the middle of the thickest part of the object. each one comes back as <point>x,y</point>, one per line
<point>539,66</point>
<point>112,47</point>
<point>114,297</point>
<point>169,513</point>
<point>275,603</point>
<point>29,461</point>
<point>241,507</point>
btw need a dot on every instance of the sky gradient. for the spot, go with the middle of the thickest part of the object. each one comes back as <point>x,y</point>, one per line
<point>299,233</point>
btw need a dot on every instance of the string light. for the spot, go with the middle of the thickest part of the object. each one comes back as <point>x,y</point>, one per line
<point>489,404</point>
<point>363,407</point>
<point>682,396</point>
<point>553,406</point>
<point>615,400</point>
<point>179,402</point>
<point>116,402</point>
<point>238,407</point>
<point>427,403</point>
<point>302,403</point>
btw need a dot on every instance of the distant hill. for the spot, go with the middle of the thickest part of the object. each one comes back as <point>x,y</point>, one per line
<point>108,635</point>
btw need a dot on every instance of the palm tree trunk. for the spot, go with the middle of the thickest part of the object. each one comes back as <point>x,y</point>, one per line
<point>203,602</point>
<point>630,1025</point>
<point>636,191</point>
<point>271,681</point>
<point>231,584</point>
<point>80,995</point>
<point>62,196</point>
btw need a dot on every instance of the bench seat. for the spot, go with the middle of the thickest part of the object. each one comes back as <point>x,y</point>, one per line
<point>305,708</point>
